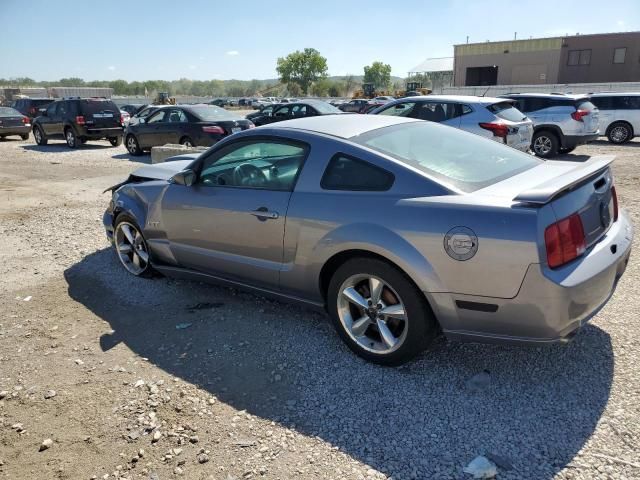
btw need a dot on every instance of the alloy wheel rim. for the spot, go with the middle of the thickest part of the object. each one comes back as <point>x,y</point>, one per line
<point>619,134</point>
<point>131,144</point>
<point>70,138</point>
<point>37,135</point>
<point>372,314</point>
<point>187,143</point>
<point>542,145</point>
<point>131,248</point>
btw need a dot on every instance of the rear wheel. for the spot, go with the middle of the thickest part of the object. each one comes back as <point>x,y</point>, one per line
<point>619,133</point>
<point>186,141</point>
<point>70,137</point>
<point>132,145</point>
<point>25,136</point>
<point>379,313</point>
<point>545,144</point>
<point>131,247</point>
<point>115,141</point>
<point>39,136</point>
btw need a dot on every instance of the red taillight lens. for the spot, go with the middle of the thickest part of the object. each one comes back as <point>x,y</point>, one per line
<point>498,129</point>
<point>26,120</point>
<point>578,114</point>
<point>213,129</point>
<point>80,120</point>
<point>122,118</point>
<point>614,197</point>
<point>564,241</point>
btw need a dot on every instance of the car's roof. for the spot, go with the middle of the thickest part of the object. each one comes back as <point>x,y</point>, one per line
<point>567,96</point>
<point>343,126</point>
<point>457,99</point>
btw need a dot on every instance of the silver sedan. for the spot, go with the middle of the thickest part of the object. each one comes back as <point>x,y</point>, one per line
<point>401,229</point>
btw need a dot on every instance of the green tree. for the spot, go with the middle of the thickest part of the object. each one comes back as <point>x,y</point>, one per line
<point>71,82</point>
<point>120,87</point>
<point>294,90</point>
<point>337,89</point>
<point>302,68</point>
<point>379,74</point>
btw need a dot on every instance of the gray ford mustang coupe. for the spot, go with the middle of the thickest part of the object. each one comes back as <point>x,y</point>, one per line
<point>400,228</point>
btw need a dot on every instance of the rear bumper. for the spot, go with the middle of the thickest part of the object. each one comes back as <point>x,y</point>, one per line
<point>550,306</point>
<point>98,133</point>
<point>15,130</point>
<point>570,141</point>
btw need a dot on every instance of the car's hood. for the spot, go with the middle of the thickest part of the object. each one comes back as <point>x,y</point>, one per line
<point>163,171</point>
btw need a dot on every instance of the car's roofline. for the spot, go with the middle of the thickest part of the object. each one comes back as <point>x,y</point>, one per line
<point>470,99</point>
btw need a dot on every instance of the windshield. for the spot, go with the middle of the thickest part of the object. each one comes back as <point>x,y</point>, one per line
<point>326,108</point>
<point>461,159</point>
<point>212,113</point>
<point>90,106</point>
<point>8,111</point>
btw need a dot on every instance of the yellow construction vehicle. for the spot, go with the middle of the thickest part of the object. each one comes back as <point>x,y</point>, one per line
<point>368,90</point>
<point>163,98</point>
<point>413,89</point>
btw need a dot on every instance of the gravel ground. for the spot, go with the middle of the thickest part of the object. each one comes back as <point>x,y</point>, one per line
<point>159,379</point>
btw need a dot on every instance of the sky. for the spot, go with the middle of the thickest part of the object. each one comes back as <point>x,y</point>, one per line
<point>204,40</point>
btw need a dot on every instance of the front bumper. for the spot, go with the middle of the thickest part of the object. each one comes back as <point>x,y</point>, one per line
<point>551,305</point>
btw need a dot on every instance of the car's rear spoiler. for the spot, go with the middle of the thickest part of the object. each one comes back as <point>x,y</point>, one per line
<point>547,191</point>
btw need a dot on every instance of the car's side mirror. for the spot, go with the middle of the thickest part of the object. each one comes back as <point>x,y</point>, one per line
<point>186,178</point>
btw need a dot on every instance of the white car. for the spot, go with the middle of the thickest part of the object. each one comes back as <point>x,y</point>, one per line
<point>619,115</point>
<point>494,118</point>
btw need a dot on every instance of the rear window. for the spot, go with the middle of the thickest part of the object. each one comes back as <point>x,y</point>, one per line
<point>461,159</point>
<point>90,107</point>
<point>506,111</point>
<point>212,113</point>
<point>8,111</point>
<point>40,103</point>
<point>325,108</point>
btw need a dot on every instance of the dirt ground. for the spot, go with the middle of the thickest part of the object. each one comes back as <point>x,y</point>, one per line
<point>159,379</point>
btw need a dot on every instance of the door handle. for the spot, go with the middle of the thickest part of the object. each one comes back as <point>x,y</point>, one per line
<point>264,213</point>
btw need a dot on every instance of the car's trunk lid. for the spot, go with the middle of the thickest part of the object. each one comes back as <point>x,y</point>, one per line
<point>11,121</point>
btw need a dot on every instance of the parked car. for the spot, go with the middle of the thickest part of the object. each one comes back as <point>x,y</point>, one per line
<point>619,115</point>
<point>218,102</point>
<point>232,102</point>
<point>357,105</point>
<point>382,100</point>
<point>124,115</point>
<point>12,122</point>
<point>288,111</point>
<point>265,110</point>
<point>189,125</point>
<point>78,120</point>
<point>561,122</point>
<point>143,113</point>
<point>132,108</point>
<point>289,100</point>
<point>392,224</point>
<point>494,118</point>
<point>30,107</point>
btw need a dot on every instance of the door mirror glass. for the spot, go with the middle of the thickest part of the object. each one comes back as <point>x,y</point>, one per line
<point>186,178</point>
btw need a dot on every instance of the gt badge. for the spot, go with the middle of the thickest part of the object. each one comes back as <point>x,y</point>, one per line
<point>461,243</point>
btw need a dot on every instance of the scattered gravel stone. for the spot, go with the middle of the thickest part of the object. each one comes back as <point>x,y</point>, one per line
<point>46,444</point>
<point>157,435</point>
<point>481,467</point>
<point>3,394</point>
<point>50,394</point>
<point>203,458</point>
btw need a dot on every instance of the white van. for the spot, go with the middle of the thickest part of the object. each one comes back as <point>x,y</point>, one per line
<point>619,115</point>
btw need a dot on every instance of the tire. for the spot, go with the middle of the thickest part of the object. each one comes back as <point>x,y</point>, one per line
<point>131,247</point>
<point>187,142</point>
<point>567,150</point>
<point>133,147</point>
<point>71,138</point>
<point>25,136</point>
<point>115,141</point>
<point>545,144</point>
<point>404,333</point>
<point>619,133</point>
<point>39,136</point>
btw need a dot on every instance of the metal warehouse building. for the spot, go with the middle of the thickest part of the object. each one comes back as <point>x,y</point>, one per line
<point>605,57</point>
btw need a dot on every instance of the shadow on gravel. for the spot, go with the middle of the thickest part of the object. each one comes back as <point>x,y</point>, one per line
<point>146,158</point>
<point>61,147</point>
<point>285,363</point>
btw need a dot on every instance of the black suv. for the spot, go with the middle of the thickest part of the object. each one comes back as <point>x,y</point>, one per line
<point>78,120</point>
<point>30,107</point>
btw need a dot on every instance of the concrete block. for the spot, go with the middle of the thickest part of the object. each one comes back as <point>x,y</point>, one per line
<point>160,154</point>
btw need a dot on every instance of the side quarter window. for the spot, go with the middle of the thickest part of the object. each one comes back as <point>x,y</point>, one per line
<point>348,173</point>
<point>51,109</point>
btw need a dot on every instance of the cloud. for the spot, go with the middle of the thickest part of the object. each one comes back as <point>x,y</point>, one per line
<point>111,67</point>
<point>233,53</point>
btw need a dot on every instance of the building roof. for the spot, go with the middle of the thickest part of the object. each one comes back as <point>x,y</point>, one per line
<point>557,37</point>
<point>441,64</point>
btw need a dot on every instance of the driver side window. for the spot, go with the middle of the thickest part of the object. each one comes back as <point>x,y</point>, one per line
<point>264,164</point>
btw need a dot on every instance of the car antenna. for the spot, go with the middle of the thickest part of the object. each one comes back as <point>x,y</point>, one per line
<point>485,92</point>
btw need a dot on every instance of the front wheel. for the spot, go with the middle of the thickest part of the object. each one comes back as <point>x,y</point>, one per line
<point>544,144</point>
<point>115,141</point>
<point>39,136</point>
<point>619,133</point>
<point>379,313</point>
<point>70,137</point>
<point>131,247</point>
<point>132,145</point>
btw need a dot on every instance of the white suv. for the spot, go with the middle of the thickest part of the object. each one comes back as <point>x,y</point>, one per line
<point>619,115</point>
<point>561,122</point>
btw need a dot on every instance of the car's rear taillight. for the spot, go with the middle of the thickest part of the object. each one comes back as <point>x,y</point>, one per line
<point>122,119</point>
<point>564,241</point>
<point>578,114</point>
<point>80,120</point>
<point>498,129</point>
<point>26,120</point>
<point>614,197</point>
<point>213,129</point>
